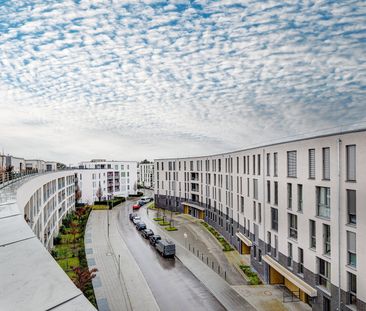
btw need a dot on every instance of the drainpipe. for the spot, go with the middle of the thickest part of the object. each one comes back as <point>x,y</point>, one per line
<point>339,142</point>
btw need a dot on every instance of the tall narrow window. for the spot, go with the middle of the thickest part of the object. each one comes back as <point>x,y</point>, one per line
<point>255,189</point>
<point>300,260</point>
<point>351,162</point>
<point>351,206</point>
<point>276,193</point>
<point>275,250</point>
<point>324,273</point>
<point>312,163</point>
<point>268,191</point>
<point>269,242</point>
<point>299,198</point>
<point>274,219</point>
<point>275,164</point>
<point>259,212</point>
<point>292,226</point>
<point>352,289</point>
<point>289,254</point>
<point>323,201</point>
<point>326,236</point>
<point>326,163</point>
<point>291,163</point>
<point>289,196</point>
<point>253,164</point>
<point>259,164</point>
<point>254,211</point>
<point>312,229</point>
<point>268,164</point>
<point>351,248</point>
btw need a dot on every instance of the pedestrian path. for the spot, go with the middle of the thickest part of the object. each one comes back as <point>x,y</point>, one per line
<point>119,284</point>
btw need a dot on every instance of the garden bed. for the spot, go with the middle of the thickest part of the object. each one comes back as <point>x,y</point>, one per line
<point>253,277</point>
<point>170,228</point>
<point>226,246</point>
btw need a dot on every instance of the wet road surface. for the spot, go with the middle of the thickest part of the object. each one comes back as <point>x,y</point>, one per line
<point>173,285</point>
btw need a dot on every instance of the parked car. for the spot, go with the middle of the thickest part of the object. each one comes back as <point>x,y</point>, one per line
<point>132,216</point>
<point>141,202</point>
<point>165,248</point>
<point>146,199</point>
<point>154,239</point>
<point>136,219</point>
<point>146,233</point>
<point>136,206</point>
<point>140,226</point>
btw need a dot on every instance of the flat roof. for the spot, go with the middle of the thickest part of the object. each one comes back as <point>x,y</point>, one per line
<point>269,145</point>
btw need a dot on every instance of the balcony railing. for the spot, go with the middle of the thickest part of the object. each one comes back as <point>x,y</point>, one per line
<point>9,177</point>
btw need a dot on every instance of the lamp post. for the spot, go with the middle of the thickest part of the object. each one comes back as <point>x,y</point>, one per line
<point>108,220</point>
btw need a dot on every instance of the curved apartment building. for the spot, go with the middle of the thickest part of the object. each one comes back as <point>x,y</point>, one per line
<point>296,208</point>
<point>31,211</point>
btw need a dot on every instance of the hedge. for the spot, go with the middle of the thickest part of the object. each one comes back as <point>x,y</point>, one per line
<point>114,202</point>
<point>139,194</point>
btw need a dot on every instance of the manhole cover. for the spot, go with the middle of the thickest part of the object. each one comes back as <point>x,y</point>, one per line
<point>268,293</point>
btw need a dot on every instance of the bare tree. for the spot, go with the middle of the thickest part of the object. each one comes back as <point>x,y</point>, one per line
<point>99,193</point>
<point>77,194</point>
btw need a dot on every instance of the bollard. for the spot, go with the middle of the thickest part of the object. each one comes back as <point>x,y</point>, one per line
<point>218,269</point>
<point>193,249</point>
<point>213,266</point>
<point>225,275</point>
<point>189,246</point>
<point>198,253</point>
<point>207,260</point>
<point>202,257</point>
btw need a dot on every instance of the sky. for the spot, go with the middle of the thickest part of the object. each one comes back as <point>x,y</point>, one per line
<point>129,80</point>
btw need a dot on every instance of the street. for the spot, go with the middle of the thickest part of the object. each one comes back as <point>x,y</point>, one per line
<point>173,285</point>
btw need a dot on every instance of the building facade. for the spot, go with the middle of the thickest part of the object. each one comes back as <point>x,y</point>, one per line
<point>146,175</point>
<point>106,179</point>
<point>296,208</point>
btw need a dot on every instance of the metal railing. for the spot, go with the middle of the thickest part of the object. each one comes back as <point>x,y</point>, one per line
<point>290,296</point>
<point>7,178</point>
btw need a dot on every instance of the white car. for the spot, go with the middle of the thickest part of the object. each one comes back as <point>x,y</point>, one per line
<point>146,199</point>
<point>136,219</point>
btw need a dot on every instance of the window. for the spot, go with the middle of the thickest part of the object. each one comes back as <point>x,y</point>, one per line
<point>326,163</point>
<point>268,191</point>
<point>289,255</point>
<point>275,253</point>
<point>276,192</point>
<point>351,162</point>
<point>275,159</point>
<point>255,189</point>
<point>259,212</point>
<point>323,201</point>
<point>352,289</point>
<point>326,238</point>
<point>289,196</point>
<point>351,248</point>
<point>274,218</point>
<point>299,198</point>
<point>269,237</point>
<point>300,260</point>
<point>259,164</point>
<point>254,211</point>
<point>351,206</point>
<point>312,229</point>
<point>324,273</point>
<point>259,255</point>
<point>291,163</point>
<point>292,226</point>
<point>242,204</point>
<point>253,164</point>
<point>312,163</point>
<point>268,164</point>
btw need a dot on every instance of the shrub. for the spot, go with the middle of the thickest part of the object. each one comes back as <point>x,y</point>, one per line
<point>158,219</point>
<point>170,228</point>
<point>57,239</point>
<point>164,223</point>
<point>253,277</point>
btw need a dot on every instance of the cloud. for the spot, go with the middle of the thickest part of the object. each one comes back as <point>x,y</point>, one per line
<point>151,79</point>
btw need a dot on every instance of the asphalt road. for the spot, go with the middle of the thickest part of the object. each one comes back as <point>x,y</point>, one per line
<point>173,285</point>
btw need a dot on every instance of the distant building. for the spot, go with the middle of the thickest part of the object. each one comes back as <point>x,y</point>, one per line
<point>106,178</point>
<point>146,174</point>
<point>37,165</point>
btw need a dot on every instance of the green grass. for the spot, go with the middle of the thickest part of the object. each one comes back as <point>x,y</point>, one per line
<point>68,263</point>
<point>170,228</point>
<point>226,247</point>
<point>164,223</point>
<point>253,277</point>
<point>158,219</point>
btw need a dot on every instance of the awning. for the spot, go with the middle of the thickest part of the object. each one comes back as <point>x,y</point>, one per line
<point>243,238</point>
<point>305,287</point>
<point>194,206</point>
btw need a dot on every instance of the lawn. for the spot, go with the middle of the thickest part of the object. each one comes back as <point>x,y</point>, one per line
<point>69,263</point>
<point>100,207</point>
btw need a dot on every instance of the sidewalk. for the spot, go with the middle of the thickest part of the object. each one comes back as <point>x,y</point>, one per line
<point>114,290</point>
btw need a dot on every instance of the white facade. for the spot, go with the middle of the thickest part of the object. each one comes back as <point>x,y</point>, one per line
<point>18,164</point>
<point>271,198</point>
<point>114,178</point>
<point>38,165</point>
<point>146,174</point>
<point>45,201</point>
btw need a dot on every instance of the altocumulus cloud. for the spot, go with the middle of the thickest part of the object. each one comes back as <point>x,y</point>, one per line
<point>135,79</point>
